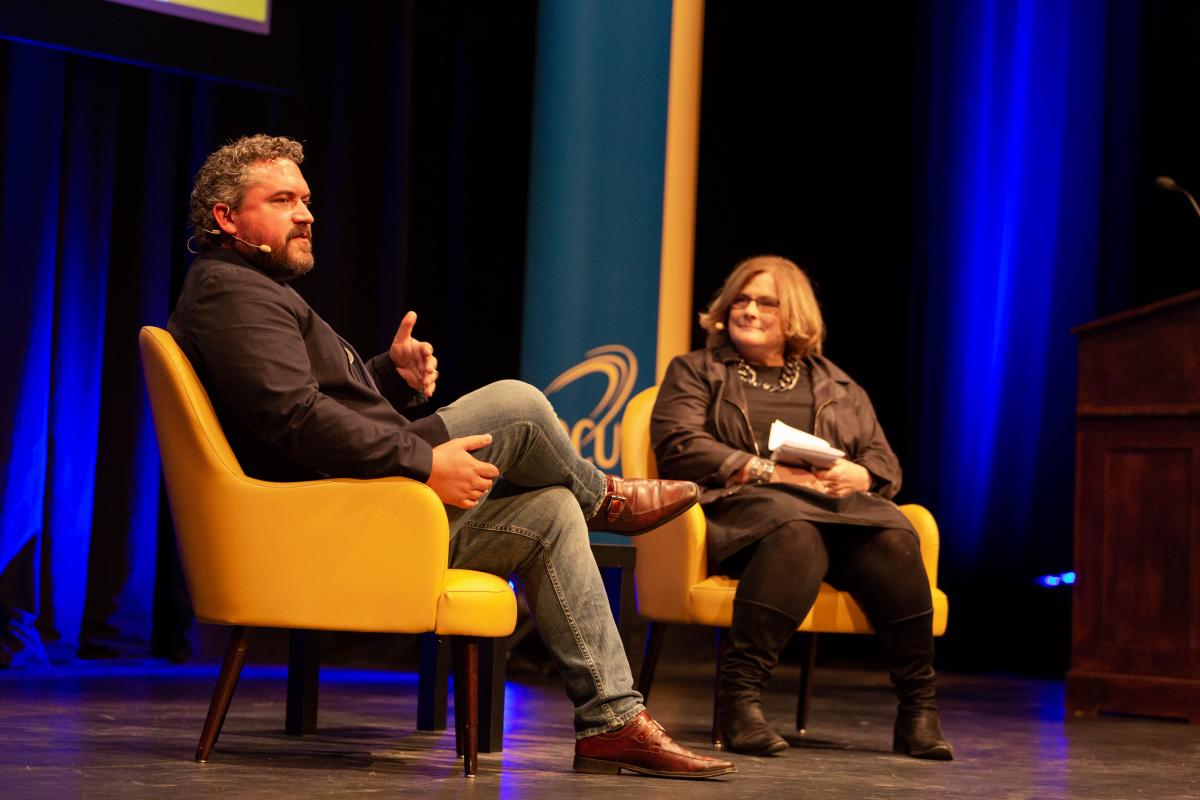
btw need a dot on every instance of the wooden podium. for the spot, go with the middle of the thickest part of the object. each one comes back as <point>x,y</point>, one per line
<point>1136,615</point>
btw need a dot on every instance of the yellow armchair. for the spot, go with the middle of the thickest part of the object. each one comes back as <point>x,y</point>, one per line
<point>337,554</point>
<point>673,584</point>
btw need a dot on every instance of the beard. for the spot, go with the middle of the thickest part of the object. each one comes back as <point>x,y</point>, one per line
<point>288,262</point>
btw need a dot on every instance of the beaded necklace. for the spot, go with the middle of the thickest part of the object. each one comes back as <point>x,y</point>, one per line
<point>787,378</point>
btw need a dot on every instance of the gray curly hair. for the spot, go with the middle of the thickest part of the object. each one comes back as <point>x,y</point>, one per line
<point>225,177</point>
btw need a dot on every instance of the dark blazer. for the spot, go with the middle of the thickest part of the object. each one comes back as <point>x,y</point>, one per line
<point>293,397</point>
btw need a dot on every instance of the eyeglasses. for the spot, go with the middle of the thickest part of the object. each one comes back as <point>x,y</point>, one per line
<point>766,305</point>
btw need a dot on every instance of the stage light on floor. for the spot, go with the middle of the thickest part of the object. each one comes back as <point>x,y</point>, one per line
<point>1052,581</point>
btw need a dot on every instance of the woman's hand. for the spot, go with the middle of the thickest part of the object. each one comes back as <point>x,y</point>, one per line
<point>797,476</point>
<point>844,477</point>
<point>782,473</point>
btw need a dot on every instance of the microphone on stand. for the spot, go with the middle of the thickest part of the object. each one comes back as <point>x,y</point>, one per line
<point>1168,183</point>
<point>266,248</point>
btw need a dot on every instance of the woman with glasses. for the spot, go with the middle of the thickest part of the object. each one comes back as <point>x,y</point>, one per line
<point>783,528</point>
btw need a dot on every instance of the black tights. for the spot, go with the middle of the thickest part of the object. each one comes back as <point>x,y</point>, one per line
<point>880,567</point>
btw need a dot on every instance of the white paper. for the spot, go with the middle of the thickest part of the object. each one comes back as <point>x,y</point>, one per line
<point>790,445</point>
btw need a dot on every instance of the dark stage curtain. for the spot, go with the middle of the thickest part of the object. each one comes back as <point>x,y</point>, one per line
<point>97,163</point>
<point>957,176</point>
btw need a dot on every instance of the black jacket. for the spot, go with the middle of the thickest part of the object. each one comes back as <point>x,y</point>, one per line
<point>701,427</point>
<point>294,399</point>
<point>700,430</point>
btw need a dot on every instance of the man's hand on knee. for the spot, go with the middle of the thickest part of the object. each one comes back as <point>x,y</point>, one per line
<point>459,478</point>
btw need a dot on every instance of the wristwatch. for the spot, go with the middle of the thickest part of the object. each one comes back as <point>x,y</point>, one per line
<point>761,470</point>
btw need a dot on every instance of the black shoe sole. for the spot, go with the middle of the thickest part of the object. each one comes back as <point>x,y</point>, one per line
<point>770,750</point>
<point>597,766</point>
<point>940,752</point>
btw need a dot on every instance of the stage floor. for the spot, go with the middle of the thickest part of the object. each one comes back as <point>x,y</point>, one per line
<point>128,731</point>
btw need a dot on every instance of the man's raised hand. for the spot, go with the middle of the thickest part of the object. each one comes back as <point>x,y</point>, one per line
<point>414,359</point>
<point>459,478</point>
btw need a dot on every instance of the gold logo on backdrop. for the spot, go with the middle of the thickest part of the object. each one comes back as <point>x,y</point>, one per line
<point>598,431</point>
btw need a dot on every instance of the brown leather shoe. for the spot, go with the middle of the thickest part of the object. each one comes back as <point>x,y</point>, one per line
<point>633,506</point>
<point>643,746</point>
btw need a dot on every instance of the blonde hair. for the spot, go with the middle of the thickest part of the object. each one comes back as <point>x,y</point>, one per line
<point>799,313</point>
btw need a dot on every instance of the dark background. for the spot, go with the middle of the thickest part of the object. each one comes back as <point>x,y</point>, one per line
<point>814,122</point>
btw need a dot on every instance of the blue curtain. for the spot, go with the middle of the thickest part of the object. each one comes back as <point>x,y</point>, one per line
<point>89,252</point>
<point>1008,243</point>
<point>54,325</point>
<point>97,162</point>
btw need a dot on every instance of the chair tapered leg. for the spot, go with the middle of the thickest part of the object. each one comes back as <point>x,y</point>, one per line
<point>493,664</point>
<point>460,701</point>
<point>804,700</point>
<point>231,668</point>
<point>431,683</point>
<point>722,646</point>
<point>654,641</point>
<point>466,712</point>
<point>304,678</point>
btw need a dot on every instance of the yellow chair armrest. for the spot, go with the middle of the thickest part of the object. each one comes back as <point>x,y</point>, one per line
<point>476,604</point>
<point>335,554</point>
<point>927,531</point>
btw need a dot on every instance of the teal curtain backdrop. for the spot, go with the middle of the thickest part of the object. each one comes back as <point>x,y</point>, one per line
<point>590,322</point>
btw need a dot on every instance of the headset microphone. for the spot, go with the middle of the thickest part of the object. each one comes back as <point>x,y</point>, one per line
<point>262,248</point>
<point>1168,183</point>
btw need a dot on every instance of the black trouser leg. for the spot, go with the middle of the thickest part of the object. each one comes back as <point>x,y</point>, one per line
<point>884,572</point>
<point>783,570</point>
<point>779,580</point>
<point>882,569</point>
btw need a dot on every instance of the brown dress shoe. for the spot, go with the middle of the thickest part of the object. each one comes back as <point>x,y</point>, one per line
<point>633,506</point>
<point>643,746</point>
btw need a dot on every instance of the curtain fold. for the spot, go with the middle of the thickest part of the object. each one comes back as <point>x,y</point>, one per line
<point>29,241</point>
<point>1010,234</point>
<point>97,162</point>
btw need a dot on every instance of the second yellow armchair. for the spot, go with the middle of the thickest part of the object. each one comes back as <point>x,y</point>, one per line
<point>673,584</point>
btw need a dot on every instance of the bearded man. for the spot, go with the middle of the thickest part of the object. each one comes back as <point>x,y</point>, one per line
<point>298,402</point>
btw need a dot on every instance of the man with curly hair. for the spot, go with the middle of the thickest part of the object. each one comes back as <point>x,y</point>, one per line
<point>298,402</point>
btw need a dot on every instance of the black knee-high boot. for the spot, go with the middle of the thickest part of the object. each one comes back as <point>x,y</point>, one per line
<point>908,644</point>
<point>757,637</point>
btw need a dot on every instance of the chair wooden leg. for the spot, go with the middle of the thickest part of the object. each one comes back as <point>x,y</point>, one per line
<point>493,664</point>
<point>654,641</point>
<point>466,712</point>
<point>804,700</point>
<point>722,646</point>
<point>304,679</point>
<point>231,668</point>
<point>460,700</point>
<point>431,683</point>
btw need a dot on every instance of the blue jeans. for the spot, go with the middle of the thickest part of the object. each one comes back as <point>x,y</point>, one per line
<point>532,523</point>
